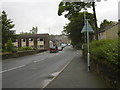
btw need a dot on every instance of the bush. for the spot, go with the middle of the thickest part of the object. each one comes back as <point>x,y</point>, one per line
<point>9,46</point>
<point>25,48</point>
<point>106,50</point>
<point>105,61</point>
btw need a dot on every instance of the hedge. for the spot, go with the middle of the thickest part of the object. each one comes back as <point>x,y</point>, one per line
<point>104,58</point>
<point>105,50</point>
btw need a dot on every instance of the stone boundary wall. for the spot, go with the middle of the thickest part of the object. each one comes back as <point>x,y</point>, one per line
<point>20,54</point>
<point>109,72</point>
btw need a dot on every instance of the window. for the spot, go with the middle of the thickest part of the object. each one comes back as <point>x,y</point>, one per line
<point>40,46</point>
<point>23,40</point>
<point>41,39</point>
<point>31,39</point>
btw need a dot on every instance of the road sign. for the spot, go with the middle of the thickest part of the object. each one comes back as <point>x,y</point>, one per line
<point>86,27</point>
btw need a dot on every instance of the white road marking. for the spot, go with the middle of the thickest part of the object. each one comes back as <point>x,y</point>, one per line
<point>35,61</point>
<point>12,68</point>
<point>38,60</point>
<point>24,65</point>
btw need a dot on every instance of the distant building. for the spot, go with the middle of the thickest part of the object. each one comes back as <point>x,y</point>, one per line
<point>36,41</point>
<point>109,32</point>
<point>59,39</point>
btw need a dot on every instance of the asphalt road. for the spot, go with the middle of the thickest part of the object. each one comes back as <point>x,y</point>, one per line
<point>34,71</point>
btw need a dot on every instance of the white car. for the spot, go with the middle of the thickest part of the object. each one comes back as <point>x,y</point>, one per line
<point>63,45</point>
<point>60,48</point>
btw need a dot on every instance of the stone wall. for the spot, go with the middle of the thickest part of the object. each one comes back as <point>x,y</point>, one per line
<point>109,72</point>
<point>20,54</point>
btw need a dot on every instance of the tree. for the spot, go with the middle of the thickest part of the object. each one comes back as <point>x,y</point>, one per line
<point>9,45</point>
<point>76,18</point>
<point>106,23</point>
<point>74,7</point>
<point>71,8</point>
<point>7,33</point>
<point>73,29</point>
<point>34,30</point>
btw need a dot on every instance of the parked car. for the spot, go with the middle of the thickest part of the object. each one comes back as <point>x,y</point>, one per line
<point>63,45</point>
<point>69,44</point>
<point>54,49</point>
<point>60,48</point>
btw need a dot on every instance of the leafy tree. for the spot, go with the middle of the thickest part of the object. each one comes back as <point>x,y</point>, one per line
<point>7,33</point>
<point>76,18</point>
<point>106,23</point>
<point>73,29</point>
<point>34,30</point>
<point>71,8</point>
<point>9,45</point>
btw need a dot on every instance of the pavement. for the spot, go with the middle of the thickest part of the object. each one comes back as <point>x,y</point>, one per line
<point>75,75</point>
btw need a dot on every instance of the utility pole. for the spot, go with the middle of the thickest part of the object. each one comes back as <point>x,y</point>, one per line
<point>96,27</point>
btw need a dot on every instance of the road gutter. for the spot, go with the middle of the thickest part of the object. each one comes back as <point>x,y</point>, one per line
<point>56,75</point>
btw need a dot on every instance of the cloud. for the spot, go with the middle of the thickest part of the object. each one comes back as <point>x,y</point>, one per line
<point>42,14</point>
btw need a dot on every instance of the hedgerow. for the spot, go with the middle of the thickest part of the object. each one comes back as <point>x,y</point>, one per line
<point>105,50</point>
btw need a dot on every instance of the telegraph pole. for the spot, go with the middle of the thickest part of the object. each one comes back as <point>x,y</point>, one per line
<point>96,27</point>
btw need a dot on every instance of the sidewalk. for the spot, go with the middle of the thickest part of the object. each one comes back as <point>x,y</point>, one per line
<point>75,75</point>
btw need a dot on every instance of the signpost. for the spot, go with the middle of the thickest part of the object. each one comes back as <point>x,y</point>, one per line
<point>87,29</point>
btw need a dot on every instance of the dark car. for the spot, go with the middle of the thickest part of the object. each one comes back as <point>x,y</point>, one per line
<point>54,49</point>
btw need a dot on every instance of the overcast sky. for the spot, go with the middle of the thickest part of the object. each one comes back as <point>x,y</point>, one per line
<point>43,14</point>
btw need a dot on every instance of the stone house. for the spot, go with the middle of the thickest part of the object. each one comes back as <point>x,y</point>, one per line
<point>109,32</point>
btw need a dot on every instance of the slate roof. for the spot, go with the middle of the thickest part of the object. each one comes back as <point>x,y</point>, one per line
<point>108,27</point>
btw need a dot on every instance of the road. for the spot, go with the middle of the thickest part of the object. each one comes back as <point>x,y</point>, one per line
<point>34,71</point>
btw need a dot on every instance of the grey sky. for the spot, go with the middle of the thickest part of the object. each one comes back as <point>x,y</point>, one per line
<point>43,13</point>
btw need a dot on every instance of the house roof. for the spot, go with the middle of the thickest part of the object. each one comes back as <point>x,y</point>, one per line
<point>34,36</point>
<point>108,27</point>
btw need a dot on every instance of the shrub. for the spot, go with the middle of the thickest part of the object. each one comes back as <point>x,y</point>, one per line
<point>106,50</point>
<point>105,61</point>
<point>25,48</point>
<point>9,46</point>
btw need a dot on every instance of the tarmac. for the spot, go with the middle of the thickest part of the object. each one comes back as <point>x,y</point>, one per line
<point>76,75</point>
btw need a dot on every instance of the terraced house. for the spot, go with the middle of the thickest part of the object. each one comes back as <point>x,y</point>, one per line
<point>36,41</point>
<point>109,32</point>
